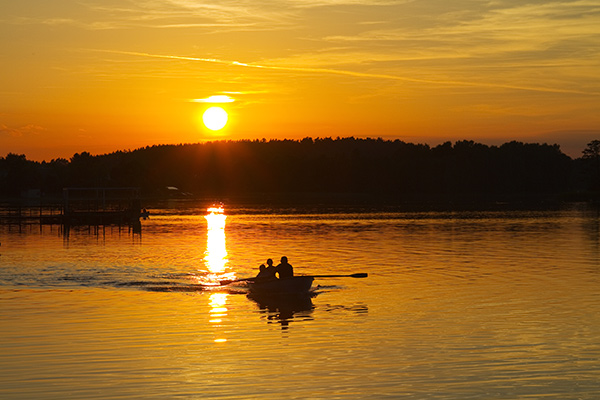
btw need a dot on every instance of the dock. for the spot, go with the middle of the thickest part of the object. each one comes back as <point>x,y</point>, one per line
<point>101,206</point>
<point>93,206</point>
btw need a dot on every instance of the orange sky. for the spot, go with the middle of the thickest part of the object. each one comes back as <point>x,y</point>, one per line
<point>107,75</point>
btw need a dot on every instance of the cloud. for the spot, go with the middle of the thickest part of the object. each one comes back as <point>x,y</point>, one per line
<point>26,130</point>
<point>356,74</point>
<point>338,3</point>
<point>217,16</point>
<point>210,16</point>
<point>215,99</point>
<point>534,46</point>
<point>492,30</point>
<point>213,17</point>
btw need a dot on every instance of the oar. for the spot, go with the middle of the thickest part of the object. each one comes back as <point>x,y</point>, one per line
<point>227,282</point>
<point>358,275</point>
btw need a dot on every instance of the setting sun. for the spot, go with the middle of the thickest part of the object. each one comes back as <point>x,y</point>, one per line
<point>215,118</point>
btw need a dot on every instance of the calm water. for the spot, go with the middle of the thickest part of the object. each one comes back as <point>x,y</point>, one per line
<point>463,305</point>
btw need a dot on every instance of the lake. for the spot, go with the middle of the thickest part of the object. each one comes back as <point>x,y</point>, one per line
<point>501,304</point>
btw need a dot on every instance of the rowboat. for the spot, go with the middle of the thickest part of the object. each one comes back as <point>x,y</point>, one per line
<point>295,285</point>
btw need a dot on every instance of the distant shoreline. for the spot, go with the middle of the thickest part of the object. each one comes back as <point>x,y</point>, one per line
<point>321,170</point>
<point>322,202</point>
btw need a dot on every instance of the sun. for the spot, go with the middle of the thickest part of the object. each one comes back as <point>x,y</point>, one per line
<point>215,118</point>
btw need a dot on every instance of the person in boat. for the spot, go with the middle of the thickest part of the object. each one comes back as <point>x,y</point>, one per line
<point>270,270</point>
<point>261,271</point>
<point>284,269</point>
<point>266,272</point>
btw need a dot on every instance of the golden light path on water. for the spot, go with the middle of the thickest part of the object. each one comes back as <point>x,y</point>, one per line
<point>218,302</point>
<point>215,259</point>
<point>215,256</point>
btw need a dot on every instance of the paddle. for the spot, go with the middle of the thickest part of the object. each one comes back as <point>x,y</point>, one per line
<point>357,275</point>
<point>227,282</point>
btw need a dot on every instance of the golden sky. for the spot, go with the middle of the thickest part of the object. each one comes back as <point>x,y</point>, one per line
<point>107,75</point>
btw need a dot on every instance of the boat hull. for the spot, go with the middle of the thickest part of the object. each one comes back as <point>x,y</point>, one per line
<point>296,285</point>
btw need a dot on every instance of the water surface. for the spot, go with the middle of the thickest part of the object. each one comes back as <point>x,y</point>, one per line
<point>457,305</point>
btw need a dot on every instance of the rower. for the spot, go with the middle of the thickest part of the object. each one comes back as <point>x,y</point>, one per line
<point>266,272</point>
<point>270,271</point>
<point>284,269</point>
<point>261,271</point>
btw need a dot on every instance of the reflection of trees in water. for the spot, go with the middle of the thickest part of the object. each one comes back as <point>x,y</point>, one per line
<point>591,228</point>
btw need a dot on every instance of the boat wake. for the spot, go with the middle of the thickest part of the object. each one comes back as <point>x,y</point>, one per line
<point>182,282</point>
<point>67,277</point>
<point>57,277</point>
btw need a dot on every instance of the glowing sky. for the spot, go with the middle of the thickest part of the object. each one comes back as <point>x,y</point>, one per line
<point>106,75</point>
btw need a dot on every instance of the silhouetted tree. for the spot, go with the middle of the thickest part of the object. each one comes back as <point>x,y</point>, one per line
<point>368,167</point>
<point>592,156</point>
<point>592,151</point>
<point>18,174</point>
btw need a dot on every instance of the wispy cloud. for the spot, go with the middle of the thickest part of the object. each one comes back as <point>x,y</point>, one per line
<point>548,46</point>
<point>357,74</point>
<point>516,28</point>
<point>25,130</point>
<point>214,16</point>
<point>214,99</point>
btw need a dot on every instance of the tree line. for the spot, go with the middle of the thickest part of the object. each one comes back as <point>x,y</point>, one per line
<point>373,167</point>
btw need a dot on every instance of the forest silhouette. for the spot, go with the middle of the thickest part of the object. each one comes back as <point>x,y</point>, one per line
<point>352,166</point>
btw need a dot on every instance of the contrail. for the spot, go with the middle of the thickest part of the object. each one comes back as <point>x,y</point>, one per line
<point>349,73</point>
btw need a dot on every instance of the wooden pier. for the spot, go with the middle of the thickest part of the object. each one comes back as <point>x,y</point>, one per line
<point>79,206</point>
<point>101,206</point>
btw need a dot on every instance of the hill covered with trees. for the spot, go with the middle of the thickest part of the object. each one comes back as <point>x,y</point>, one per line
<point>373,167</point>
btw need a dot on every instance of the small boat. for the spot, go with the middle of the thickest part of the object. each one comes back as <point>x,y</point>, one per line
<point>296,285</point>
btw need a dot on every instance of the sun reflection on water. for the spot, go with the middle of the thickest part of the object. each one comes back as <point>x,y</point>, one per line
<point>218,311</point>
<point>215,256</point>
<point>215,259</point>
<point>216,253</point>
